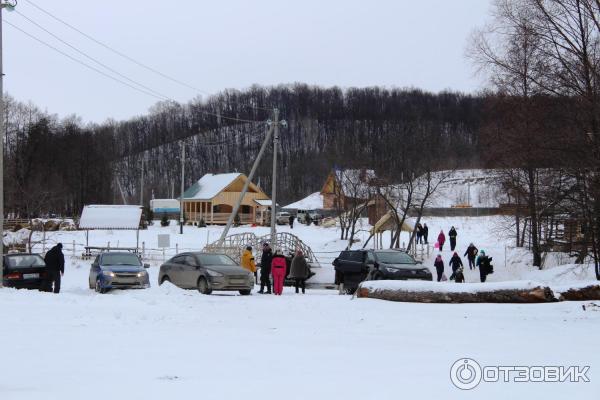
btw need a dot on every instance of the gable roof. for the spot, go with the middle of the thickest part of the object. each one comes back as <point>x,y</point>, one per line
<point>110,217</point>
<point>210,185</point>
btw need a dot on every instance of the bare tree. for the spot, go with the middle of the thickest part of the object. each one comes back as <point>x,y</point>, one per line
<point>353,191</point>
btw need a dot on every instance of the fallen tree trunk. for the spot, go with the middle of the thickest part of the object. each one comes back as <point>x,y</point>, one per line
<point>584,293</point>
<point>430,292</point>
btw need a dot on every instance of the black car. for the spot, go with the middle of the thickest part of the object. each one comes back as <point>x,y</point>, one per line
<point>355,266</point>
<point>24,271</point>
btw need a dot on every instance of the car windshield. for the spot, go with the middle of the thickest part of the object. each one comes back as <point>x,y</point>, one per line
<point>215,259</point>
<point>121,259</point>
<point>25,261</point>
<point>394,257</point>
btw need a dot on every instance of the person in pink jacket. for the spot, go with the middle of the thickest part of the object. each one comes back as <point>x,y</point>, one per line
<point>441,240</point>
<point>278,266</point>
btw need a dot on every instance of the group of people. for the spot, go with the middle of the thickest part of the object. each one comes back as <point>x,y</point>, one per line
<point>274,265</point>
<point>477,259</point>
<point>422,233</point>
<point>441,239</point>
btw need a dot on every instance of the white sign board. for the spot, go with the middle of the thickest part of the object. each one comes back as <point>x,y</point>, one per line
<point>164,240</point>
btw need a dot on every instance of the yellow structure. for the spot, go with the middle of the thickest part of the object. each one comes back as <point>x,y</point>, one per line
<point>213,197</point>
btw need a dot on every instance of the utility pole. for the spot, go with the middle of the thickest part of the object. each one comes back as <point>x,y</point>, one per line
<point>9,7</point>
<point>142,184</point>
<point>276,124</point>
<point>182,188</point>
<point>273,128</point>
<point>246,185</point>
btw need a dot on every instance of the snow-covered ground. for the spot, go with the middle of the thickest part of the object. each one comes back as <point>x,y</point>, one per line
<point>165,342</point>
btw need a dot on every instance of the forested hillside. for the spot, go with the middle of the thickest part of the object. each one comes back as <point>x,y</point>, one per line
<point>385,129</point>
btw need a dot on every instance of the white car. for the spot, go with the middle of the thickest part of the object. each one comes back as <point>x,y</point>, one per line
<point>283,218</point>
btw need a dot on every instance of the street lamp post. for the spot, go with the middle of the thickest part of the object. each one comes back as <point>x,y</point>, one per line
<point>9,5</point>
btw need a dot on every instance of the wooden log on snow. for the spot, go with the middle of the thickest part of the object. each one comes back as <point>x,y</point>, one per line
<point>583,293</point>
<point>434,292</point>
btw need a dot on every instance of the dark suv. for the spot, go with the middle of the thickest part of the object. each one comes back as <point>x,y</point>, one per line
<point>355,266</point>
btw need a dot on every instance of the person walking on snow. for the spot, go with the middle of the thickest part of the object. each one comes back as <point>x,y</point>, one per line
<point>460,275</point>
<point>425,233</point>
<point>265,268</point>
<point>452,235</point>
<point>471,253</point>
<point>278,265</point>
<point>455,263</point>
<point>485,265</point>
<point>291,221</point>
<point>55,261</point>
<point>439,267</point>
<point>441,240</point>
<point>248,261</point>
<point>299,271</point>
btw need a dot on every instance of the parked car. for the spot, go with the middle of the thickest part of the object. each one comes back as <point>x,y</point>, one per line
<point>118,270</point>
<point>283,218</point>
<point>24,271</point>
<point>206,272</point>
<point>315,217</point>
<point>353,267</point>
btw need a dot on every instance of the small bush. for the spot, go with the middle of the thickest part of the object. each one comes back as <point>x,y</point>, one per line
<point>164,221</point>
<point>202,223</point>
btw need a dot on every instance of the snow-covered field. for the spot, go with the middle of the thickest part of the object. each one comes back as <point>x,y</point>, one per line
<point>164,342</point>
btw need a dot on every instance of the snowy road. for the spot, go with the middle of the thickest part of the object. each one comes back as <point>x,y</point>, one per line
<point>165,343</point>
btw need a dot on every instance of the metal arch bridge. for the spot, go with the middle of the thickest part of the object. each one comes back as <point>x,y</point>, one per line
<point>287,243</point>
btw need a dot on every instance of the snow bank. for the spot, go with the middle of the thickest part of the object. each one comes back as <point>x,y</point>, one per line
<point>15,238</point>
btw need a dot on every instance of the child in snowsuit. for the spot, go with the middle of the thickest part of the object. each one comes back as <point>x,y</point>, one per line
<point>459,277</point>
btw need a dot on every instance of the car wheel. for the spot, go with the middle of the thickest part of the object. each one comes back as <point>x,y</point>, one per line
<point>245,292</point>
<point>165,279</point>
<point>203,286</point>
<point>99,288</point>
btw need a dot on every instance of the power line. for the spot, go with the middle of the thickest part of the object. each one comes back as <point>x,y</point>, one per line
<point>81,62</point>
<point>148,93</point>
<point>90,57</point>
<point>125,56</point>
<point>189,140</point>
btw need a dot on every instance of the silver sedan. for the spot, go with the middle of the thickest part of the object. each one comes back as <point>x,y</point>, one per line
<point>206,272</point>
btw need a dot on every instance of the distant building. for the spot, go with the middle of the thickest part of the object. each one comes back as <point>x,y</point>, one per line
<point>168,207</point>
<point>213,197</point>
<point>343,186</point>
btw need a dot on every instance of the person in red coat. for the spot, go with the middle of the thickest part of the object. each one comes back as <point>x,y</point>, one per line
<point>441,240</point>
<point>278,267</point>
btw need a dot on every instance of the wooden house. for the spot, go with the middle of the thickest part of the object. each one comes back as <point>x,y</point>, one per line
<point>213,197</point>
<point>354,185</point>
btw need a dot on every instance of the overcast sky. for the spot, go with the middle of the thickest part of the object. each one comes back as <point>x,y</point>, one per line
<point>213,45</point>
